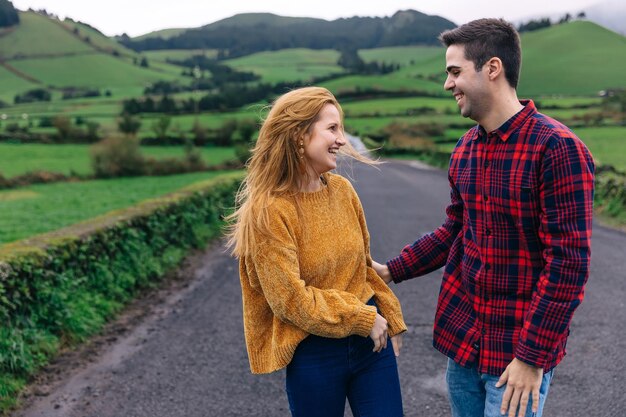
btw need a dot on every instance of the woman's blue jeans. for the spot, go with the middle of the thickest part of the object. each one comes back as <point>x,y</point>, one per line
<point>324,372</point>
<point>473,394</point>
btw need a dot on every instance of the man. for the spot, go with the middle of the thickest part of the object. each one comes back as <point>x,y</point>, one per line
<point>516,240</point>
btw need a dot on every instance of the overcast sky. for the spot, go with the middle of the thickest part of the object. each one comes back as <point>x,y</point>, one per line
<point>136,17</point>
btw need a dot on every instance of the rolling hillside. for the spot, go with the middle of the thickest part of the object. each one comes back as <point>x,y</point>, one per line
<point>44,52</point>
<point>575,58</point>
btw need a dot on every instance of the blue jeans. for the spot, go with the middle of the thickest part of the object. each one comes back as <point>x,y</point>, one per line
<point>473,394</point>
<point>324,372</point>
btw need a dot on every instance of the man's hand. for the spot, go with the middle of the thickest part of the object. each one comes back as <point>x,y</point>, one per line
<point>522,381</point>
<point>383,271</point>
<point>396,342</point>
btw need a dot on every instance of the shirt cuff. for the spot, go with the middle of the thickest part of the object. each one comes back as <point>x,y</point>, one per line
<point>530,356</point>
<point>396,269</point>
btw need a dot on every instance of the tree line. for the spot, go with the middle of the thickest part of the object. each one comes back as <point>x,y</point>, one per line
<point>238,38</point>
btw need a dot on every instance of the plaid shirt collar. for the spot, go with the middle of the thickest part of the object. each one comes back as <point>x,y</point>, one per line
<point>511,125</point>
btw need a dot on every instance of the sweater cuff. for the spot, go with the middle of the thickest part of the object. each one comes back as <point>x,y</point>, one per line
<point>365,320</point>
<point>396,326</point>
<point>396,269</point>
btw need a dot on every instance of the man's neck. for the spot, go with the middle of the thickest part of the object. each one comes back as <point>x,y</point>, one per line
<point>504,107</point>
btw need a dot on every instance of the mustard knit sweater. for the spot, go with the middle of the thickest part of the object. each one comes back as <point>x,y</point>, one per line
<point>312,276</point>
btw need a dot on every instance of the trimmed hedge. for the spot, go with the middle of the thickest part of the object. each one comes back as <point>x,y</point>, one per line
<point>58,288</point>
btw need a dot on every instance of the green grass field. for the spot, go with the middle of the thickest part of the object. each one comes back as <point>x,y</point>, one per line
<point>97,39</point>
<point>389,82</point>
<point>393,106</point>
<point>289,64</point>
<point>403,55</point>
<point>607,144</point>
<point>11,84</point>
<point>42,208</point>
<point>38,36</point>
<point>573,59</point>
<point>18,159</point>
<point>96,70</point>
<point>178,54</point>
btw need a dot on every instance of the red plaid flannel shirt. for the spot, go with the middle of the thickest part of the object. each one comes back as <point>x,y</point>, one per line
<point>515,244</point>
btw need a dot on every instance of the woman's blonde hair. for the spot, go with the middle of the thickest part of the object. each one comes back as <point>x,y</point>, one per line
<point>276,167</point>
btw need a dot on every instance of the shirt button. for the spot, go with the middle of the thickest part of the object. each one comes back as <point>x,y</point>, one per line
<point>487,267</point>
<point>487,162</point>
<point>476,346</point>
<point>486,197</point>
<point>488,232</point>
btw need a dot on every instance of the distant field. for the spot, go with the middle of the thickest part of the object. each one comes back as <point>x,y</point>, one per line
<point>607,144</point>
<point>98,39</point>
<point>289,64</point>
<point>42,208</point>
<point>36,36</point>
<point>403,55</point>
<point>96,70</point>
<point>19,159</point>
<point>11,84</point>
<point>178,54</point>
<point>392,106</point>
<point>389,82</point>
<point>555,64</point>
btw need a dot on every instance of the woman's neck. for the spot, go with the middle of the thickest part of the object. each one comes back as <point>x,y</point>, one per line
<point>312,185</point>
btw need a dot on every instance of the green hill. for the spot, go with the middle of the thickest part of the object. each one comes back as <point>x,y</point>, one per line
<point>289,64</point>
<point>45,52</point>
<point>38,36</point>
<point>574,58</point>
<point>577,58</point>
<point>164,34</point>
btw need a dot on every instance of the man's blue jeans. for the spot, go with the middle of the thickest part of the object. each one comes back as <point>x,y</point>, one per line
<point>324,372</point>
<point>473,394</point>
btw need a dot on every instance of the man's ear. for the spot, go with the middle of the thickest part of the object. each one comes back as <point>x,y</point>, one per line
<point>494,68</point>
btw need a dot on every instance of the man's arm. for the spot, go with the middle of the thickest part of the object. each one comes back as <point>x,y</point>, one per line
<point>566,197</point>
<point>430,252</point>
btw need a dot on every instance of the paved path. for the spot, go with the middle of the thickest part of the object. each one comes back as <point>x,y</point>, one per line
<point>188,359</point>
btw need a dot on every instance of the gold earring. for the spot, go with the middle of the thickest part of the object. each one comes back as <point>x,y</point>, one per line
<point>301,149</point>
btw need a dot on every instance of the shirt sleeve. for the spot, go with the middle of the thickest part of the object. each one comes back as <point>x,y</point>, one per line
<point>386,300</point>
<point>430,252</point>
<point>566,198</point>
<point>323,312</point>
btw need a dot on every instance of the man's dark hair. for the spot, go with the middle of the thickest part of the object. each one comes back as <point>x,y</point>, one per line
<point>484,39</point>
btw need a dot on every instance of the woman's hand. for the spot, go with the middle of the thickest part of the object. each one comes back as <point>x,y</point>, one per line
<point>396,342</point>
<point>383,271</point>
<point>379,333</point>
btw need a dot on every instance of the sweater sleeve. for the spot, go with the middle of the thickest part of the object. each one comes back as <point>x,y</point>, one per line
<point>386,300</point>
<point>323,312</point>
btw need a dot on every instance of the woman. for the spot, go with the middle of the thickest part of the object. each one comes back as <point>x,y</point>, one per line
<point>311,300</point>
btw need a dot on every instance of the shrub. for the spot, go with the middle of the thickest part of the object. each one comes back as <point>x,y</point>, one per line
<point>57,289</point>
<point>117,157</point>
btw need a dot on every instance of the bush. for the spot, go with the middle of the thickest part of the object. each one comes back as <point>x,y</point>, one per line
<point>117,157</point>
<point>57,289</point>
<point>37,94</point>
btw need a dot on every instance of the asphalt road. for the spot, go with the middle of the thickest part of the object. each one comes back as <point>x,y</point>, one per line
<point>188,358</point>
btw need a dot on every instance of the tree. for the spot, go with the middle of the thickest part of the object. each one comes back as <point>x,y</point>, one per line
<point>161,126</point>
<point>64,127</point>
<point>128,124</point>
<point>8,14</point>
<point>225,133</point>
